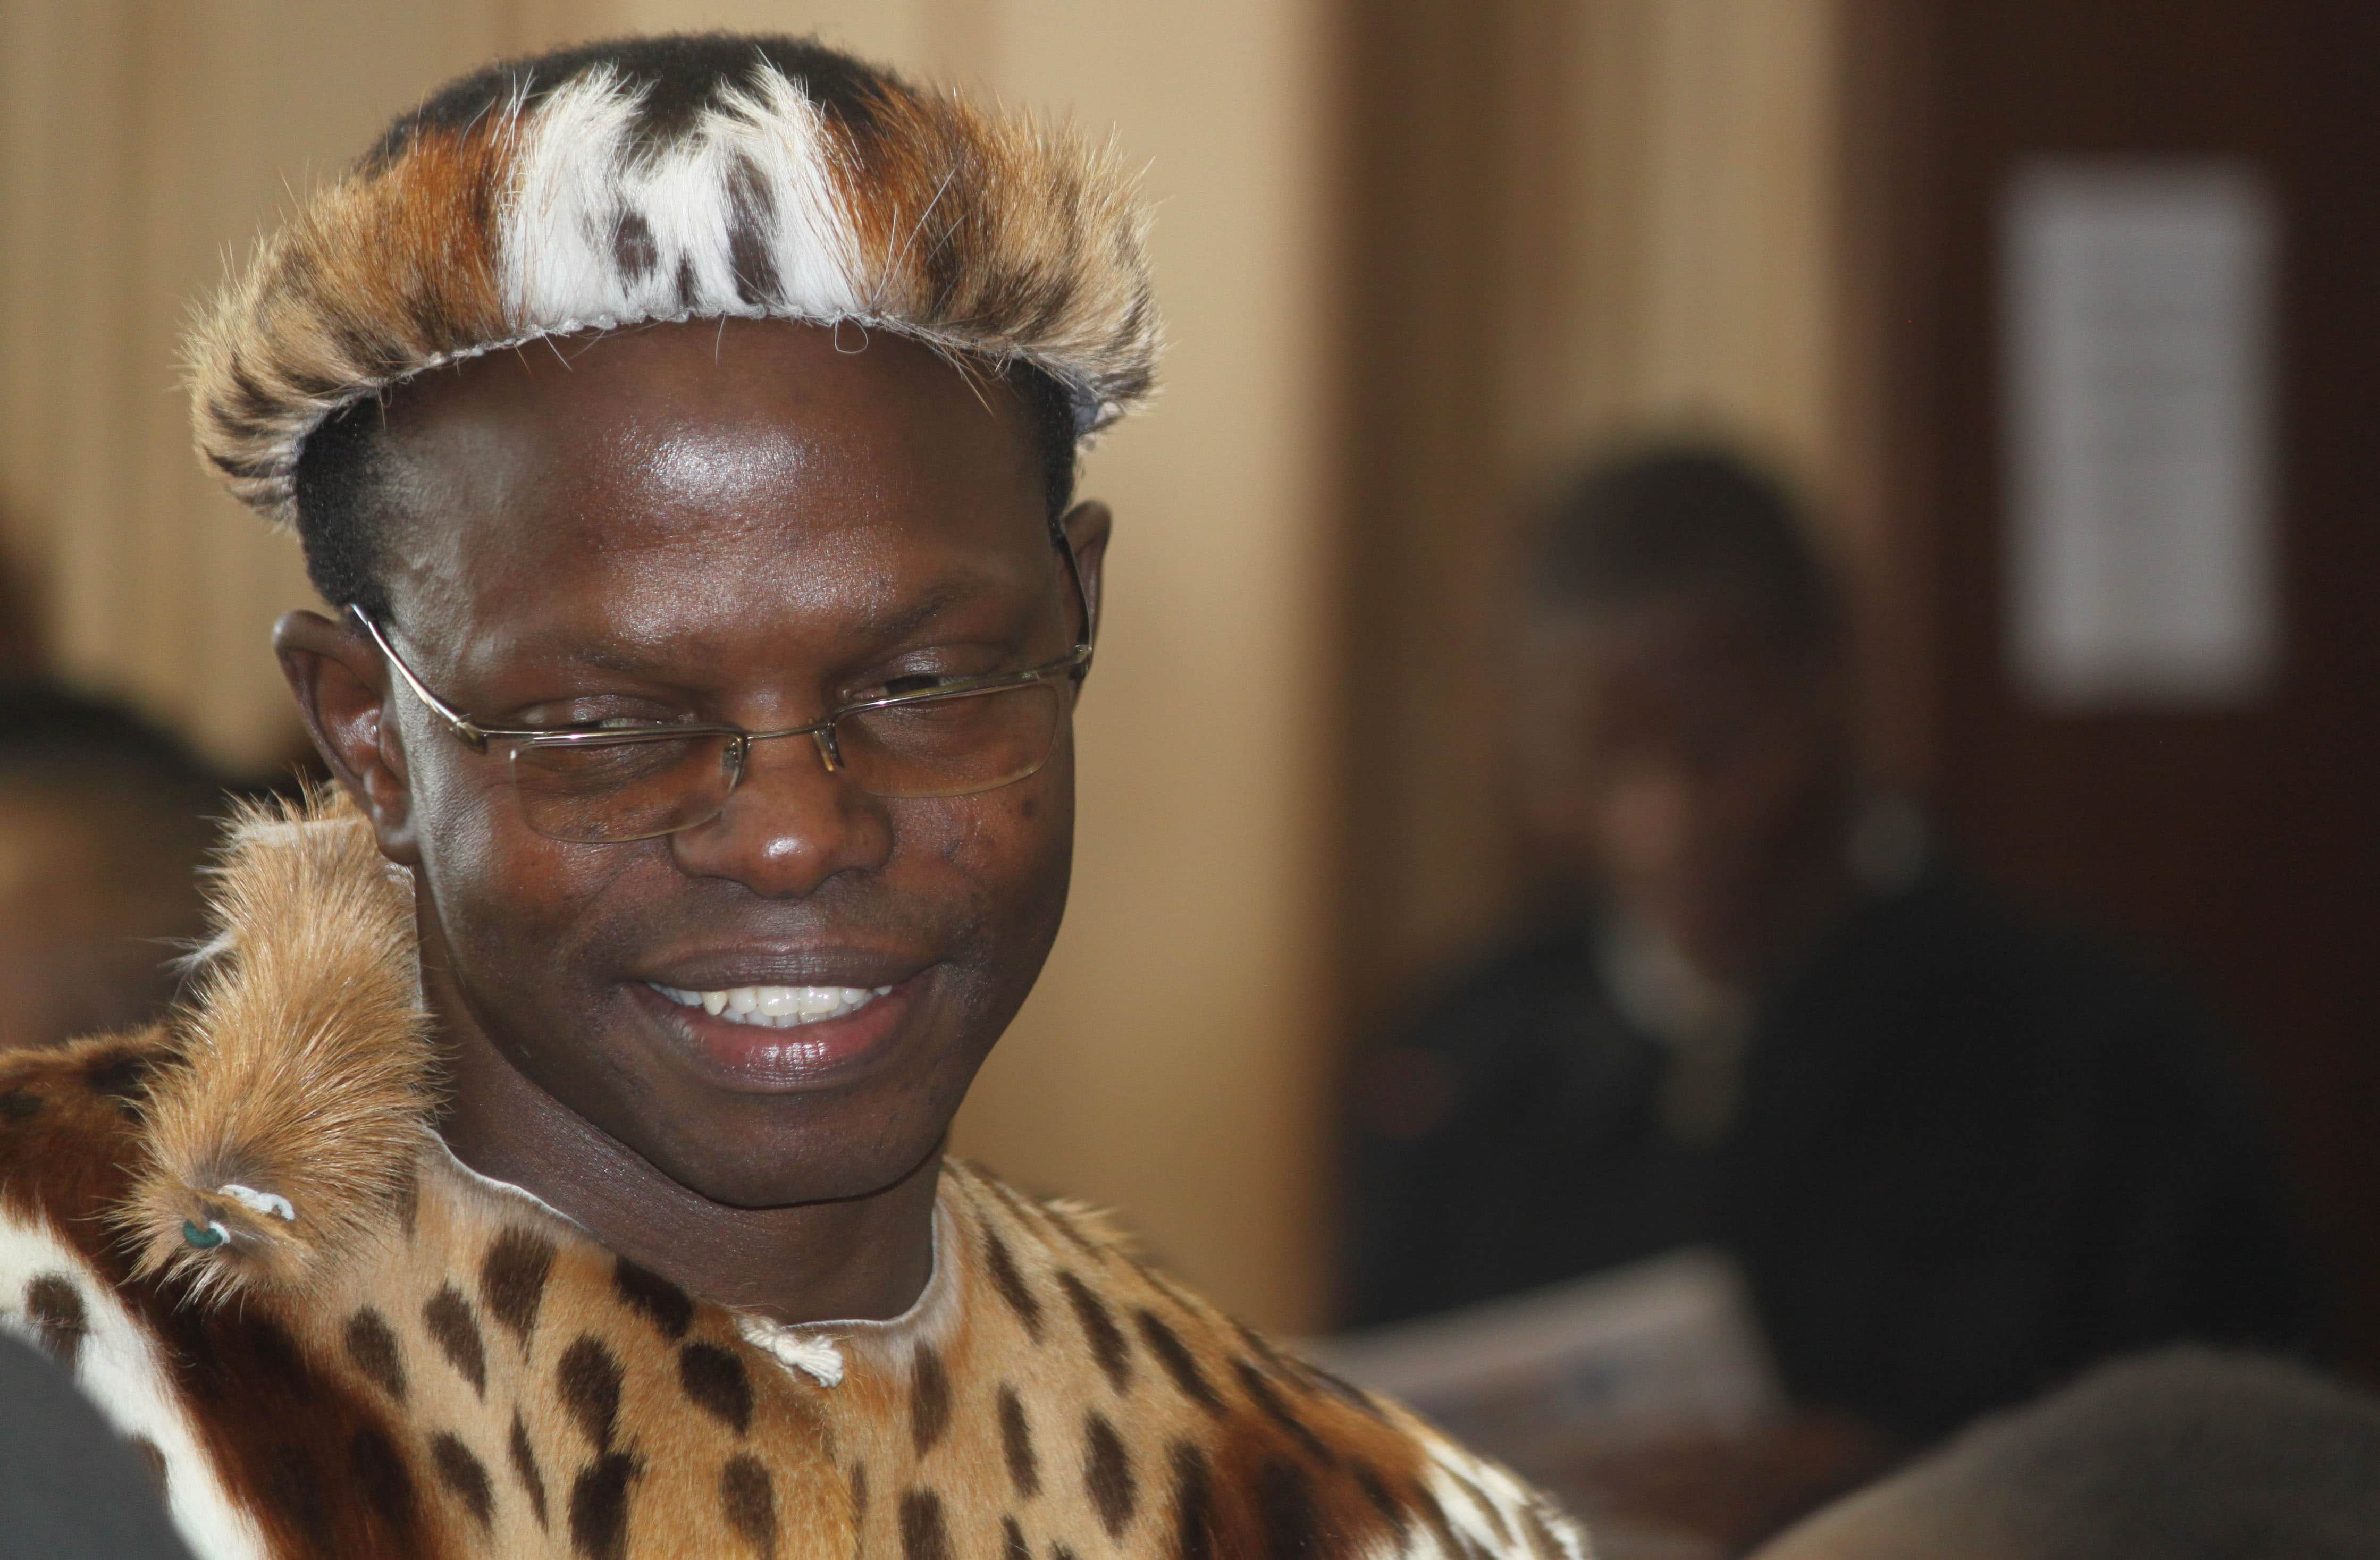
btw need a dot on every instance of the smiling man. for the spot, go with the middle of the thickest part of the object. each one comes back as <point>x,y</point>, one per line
<point>683,433</point>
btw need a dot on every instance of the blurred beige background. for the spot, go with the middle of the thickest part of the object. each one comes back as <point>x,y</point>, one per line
<point>1664,248</point>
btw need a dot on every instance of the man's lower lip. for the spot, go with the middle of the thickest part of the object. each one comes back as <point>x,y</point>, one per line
<point>755,1056</point>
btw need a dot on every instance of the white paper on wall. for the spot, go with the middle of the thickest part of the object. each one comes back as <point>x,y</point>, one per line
<point>2138,306</point>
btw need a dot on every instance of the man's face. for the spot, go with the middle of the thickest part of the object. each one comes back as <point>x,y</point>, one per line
<point>1673,754</point>
<point>745,523</point>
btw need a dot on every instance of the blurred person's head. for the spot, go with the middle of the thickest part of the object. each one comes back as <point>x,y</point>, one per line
<point>1684,725</point>
<point>2188,1455</point>
<point>105,822</point>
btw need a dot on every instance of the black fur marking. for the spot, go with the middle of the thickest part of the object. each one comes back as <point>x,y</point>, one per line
<point>512,1279</point>
<point>715,1379</point>
<point>1478,1497</point>
<point>379,357</point>
<point>671,1308</point>
<point>1541,1537</point>
<point>589,1379</point>
<point>19,1105</point>
<point>1026,1211</point>
<point>752,212</point>
<point>448,1316</point>
<point>923,1534</point>
<point>251,405</point>
<point>1260,1389</point>
<point>372,1346</point>
<point>930,1401</point>
<point>1107,1474</point>
<point>1109,1345</point>
<point>1384,1501</point>
<point>748,1501</point>
<point>1347,1392</point>
<point>386,1484</point>
<point>858,1491</point>
<point>1435,1515</point>
<point>1012,1540</point>
<point>1011,1283</point>
<point>54,1307</point>
<point>524,1457</point>
<point>1017,1445</point>
<point>464,1478</point>
<point>677,77</point>
<point>598,1508</point>
<point>1179,1362</point>
<point>634,249</point>
<point>121,1076</point>
<point>1292,1523</point>
<point>300,1484</point>
<point>1194,1503</point>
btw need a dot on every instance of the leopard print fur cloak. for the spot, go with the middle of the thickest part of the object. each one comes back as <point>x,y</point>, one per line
<point>329,1338</point>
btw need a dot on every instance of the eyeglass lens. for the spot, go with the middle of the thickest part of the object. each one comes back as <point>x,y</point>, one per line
<point>596,791</point>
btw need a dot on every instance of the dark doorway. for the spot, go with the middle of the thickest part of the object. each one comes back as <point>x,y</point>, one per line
<point>2240,846</point>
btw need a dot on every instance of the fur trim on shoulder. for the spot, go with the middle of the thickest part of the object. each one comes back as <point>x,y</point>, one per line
<point>669,179</point>
<point>291,1129</point>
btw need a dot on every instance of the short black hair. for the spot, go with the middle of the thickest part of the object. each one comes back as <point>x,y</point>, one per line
<point>341,518</point>
<point>1683,520</point>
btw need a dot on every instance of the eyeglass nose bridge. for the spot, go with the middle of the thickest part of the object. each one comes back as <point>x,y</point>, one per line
<point>823,738</point>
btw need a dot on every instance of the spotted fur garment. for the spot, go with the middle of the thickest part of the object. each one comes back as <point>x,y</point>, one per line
<point>329,1338</point>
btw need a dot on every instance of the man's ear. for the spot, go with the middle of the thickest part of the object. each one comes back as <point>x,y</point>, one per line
<point>342,692</point>
<point>1087,525</point>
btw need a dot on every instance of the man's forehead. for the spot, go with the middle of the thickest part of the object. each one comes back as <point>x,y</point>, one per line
<point>766,440</point>
<point>705,389</point>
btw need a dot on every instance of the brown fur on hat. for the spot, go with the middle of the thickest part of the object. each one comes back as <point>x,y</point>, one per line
<point>676,178</point>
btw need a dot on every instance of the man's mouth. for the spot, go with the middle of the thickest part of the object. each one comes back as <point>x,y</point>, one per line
<point>776,1007</point>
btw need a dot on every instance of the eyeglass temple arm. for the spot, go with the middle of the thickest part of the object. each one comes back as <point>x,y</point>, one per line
<point>464,728</point>
<point>1090,611</point>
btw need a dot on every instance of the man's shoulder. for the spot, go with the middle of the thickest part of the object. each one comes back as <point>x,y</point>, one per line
<point>1952,958</point>
<point>1214,1434</point>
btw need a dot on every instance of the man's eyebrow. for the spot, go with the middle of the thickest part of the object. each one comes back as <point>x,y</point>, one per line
<point>891,628</point>
<point>613,657</point>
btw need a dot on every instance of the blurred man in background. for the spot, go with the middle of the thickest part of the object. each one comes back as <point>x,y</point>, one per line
<point>2185,1456</point>
<point>104,820</point>
<point>1956,1156</point>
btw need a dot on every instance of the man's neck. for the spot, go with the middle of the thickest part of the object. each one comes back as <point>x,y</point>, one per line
<point>866,1257</point>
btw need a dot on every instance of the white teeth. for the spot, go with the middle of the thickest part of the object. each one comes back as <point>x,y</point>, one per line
<point>775,1007</point>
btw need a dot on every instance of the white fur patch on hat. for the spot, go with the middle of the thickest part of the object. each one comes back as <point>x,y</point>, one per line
<point>666,179</point>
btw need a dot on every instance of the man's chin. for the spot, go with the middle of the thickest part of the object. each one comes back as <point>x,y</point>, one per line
<point>801,1171</point>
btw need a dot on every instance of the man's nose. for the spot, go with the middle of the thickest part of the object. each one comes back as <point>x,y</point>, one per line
<point>789,825</point>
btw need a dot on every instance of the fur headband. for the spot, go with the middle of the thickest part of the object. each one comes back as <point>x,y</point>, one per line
<point>669,179</point>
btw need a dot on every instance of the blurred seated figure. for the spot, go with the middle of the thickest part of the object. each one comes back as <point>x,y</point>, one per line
<point>69,1488</point>
<point>2185,1456</point>
<point>104,820</point>
<point>1956,1155</point>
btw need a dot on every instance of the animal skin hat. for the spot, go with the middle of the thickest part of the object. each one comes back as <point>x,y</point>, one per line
<point>668,179</point>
